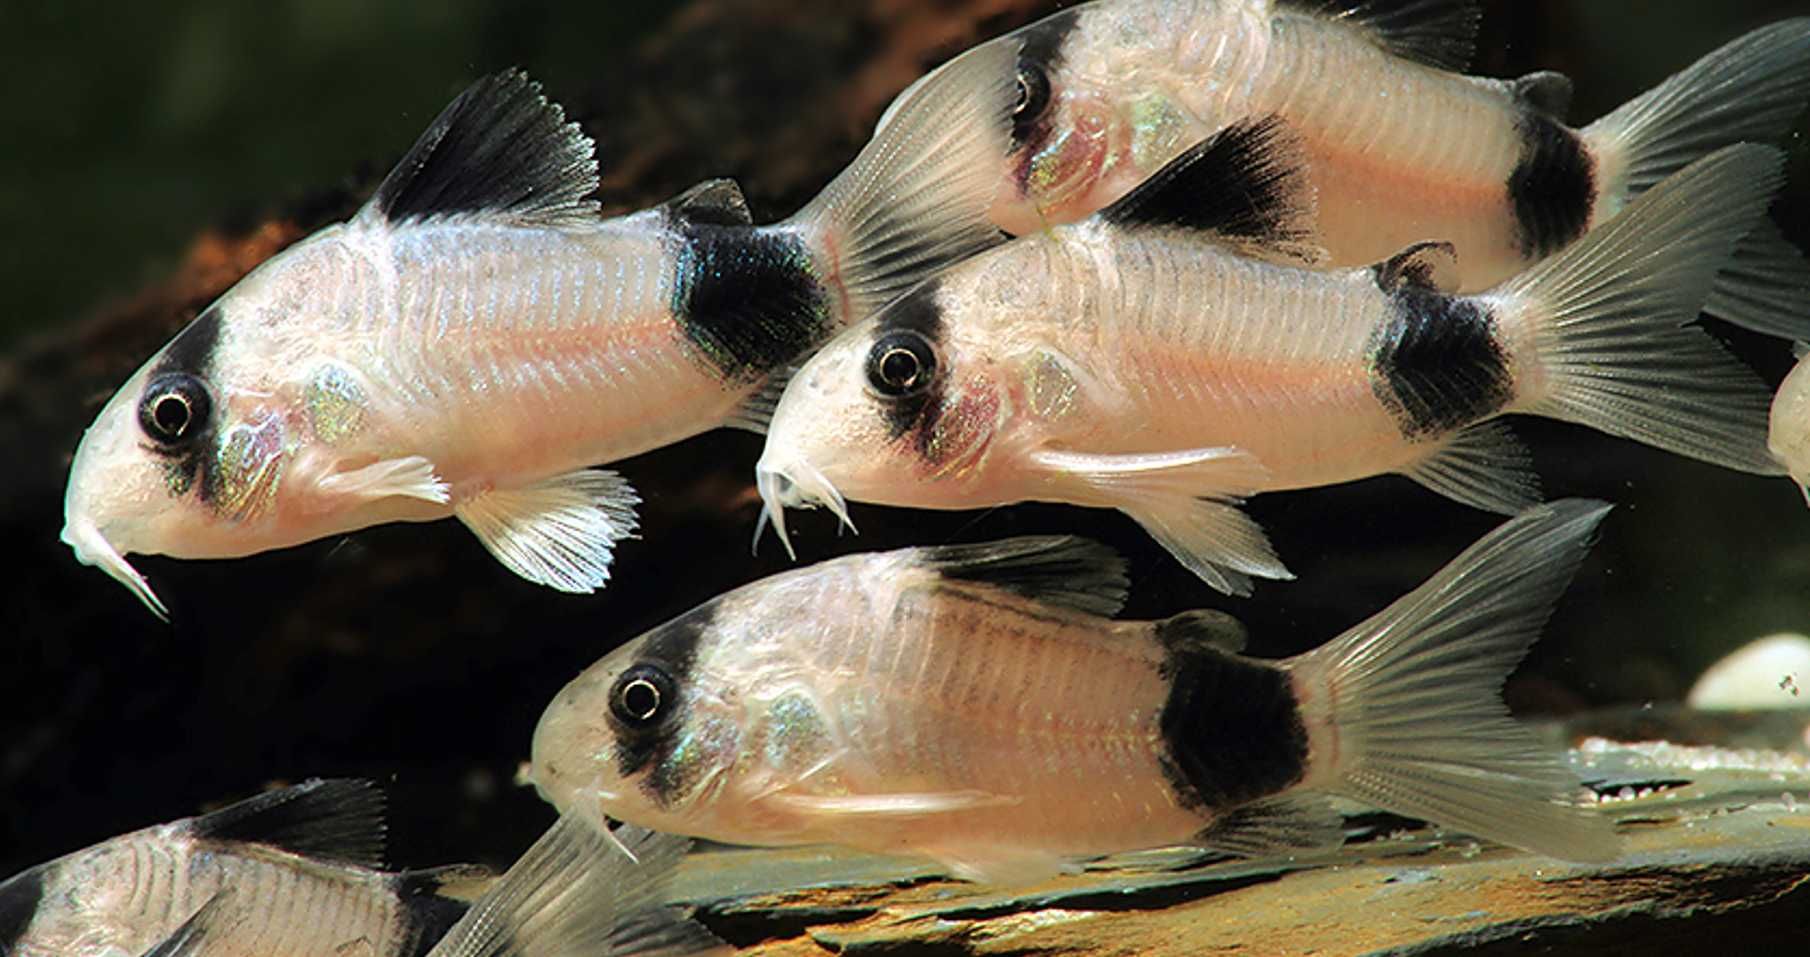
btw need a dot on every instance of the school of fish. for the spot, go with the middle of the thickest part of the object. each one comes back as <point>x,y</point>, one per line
<point>1155,256</point>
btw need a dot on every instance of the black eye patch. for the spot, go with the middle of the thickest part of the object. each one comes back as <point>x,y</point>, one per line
<point>901,364</point>
<point>643,696</point>
<point>175,409</point>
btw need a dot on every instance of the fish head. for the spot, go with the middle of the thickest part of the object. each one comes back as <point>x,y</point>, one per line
<point>189,457</point>
<point>1110,93</point>
<point>81,905</point>
<point>897,410</point>
<point>644,735</point>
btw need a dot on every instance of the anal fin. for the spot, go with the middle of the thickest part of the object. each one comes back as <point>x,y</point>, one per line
<point>1484,466</point>
<point>560,532</point>
<point>1187,501</point>
<point>334,819</point>
<point>1289,823</point>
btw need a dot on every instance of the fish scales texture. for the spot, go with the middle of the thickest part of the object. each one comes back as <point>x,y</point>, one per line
<point>142,886</point>
<point>1183,334</point>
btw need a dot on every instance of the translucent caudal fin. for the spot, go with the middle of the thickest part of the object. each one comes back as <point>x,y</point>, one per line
<point>576,891</point>
<point>1752,89</point>
<point>1606,319</point>
<point>916,198</point>
<point>1413,695</point>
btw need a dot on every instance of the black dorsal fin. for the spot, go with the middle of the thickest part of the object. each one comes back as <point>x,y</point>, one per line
<point>1438,33</point>
<point>1203,629</point>
<point>1429,266</point>
<point>1546,91</point>
<point>1247,183</point>
<point>335,820</point>
<point>500,149</point>
<point>1055,569</point>
<point>715,202</point>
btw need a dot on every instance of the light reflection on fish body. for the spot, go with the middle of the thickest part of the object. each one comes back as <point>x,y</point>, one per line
<point>477,337</point>
<point>1400,146</point>
<point>1134,362</point>
<point>974,705</point>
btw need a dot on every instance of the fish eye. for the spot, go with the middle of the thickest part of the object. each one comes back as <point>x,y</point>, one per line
<point>643,696</point>
<point>175,408</point>
<point>900,364</point>
<point>1033,93</point>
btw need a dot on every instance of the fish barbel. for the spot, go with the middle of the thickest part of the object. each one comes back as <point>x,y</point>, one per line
<point>477,337</point>
<point>1133,362</point>
<point>1400,146</point>
<point>975,704</point>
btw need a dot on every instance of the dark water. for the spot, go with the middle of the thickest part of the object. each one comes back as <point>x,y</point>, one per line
<point>405,653</point>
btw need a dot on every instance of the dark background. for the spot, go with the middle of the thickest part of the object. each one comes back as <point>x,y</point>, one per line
<point>156,151</point>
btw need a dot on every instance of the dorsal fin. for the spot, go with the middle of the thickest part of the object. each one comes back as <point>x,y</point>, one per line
<point>336,820</point>
<point>1546,91</point>
<point>1202,629</point>
<point>1438,33</point>
<point>1431,266</point>
<point>1247,184</point>
<point>715,202</point>
<point>1055,569</point>
<point>500,150</point>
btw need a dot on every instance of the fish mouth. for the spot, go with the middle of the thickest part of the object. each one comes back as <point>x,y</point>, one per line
<point>797,485</point>
<point>92,548</point>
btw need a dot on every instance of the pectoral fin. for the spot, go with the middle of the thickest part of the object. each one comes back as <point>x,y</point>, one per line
<point>561,532</point>
<point>410,477</point>
<point>1187,501</point>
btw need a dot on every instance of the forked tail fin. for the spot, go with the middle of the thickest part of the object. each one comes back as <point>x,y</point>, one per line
<point>1606,319</point>
<point>1752,89</point>
<point>1413,696</point>
<point>916,198</point>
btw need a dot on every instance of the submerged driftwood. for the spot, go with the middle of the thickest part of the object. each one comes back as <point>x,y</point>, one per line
<point>1717,850</point>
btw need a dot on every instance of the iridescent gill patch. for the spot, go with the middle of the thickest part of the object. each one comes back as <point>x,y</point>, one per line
<point>247,466</point>
<point>702,750</point>
<point>336,405</point>
<point>1156,131</point>
<point>797,737</point>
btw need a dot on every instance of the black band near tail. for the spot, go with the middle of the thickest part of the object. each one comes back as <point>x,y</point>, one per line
<point>1437,363</point>
<point>1232,729</point>
<point>748,299</point>
<point>1553,188</point>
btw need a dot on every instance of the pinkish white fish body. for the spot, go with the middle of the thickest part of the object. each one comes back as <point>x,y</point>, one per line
<point>318,844</point>
<point>575,891</point>
<point>477,338</point>
<point>1133,362</point>
<point>976,704</point>
<point>1400,147</point>
<point>1789,435</point>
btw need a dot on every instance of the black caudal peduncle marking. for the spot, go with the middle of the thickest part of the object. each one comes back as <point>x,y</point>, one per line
<point>918,315</point>
<point>671,651</point>
<point>20,896</point>
<point>748,300</point>
<point>1552,188</point>
<point>1038,59</point>
<point>430,914</point>
<point>1437,363</point>
<point>1232,730</point>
